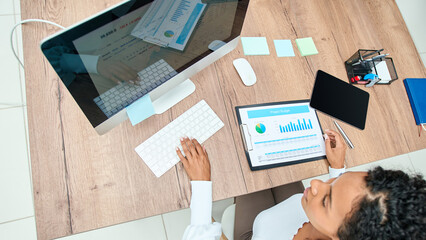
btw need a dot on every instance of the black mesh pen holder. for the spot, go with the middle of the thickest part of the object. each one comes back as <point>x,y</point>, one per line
<point>365,62</point>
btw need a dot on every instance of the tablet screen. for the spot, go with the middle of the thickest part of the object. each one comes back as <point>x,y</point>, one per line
<point>340,99</point>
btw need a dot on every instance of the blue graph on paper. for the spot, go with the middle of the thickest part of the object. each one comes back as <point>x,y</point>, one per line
<point>294,133</point>
<point>183,6</point>
<point>300,125</point>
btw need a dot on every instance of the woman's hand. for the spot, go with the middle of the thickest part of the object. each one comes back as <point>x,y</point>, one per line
<point>196,162</point>
<point>335,149</point>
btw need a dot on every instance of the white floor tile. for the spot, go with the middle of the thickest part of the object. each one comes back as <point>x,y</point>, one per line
<point>10,85</point>
<point>176,223</point>
<point>148,228</point>
<point>413,13</point>
<point>20,51</point>
<point>27,138</point>
<point>17,6</point>
<point>24,229</point>
<point>15,186</point>
<point>423,56</point>
<point>418,159</point>
<point>401,162</point>
<point>6,7</point>
<point>219,207</point>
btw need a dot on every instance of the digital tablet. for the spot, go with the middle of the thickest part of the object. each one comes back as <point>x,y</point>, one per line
<point>340,99</point>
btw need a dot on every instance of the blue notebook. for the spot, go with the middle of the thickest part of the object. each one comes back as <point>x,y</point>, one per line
<point>416,91</point>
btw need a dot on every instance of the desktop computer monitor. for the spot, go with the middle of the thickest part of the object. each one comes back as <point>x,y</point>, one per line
<point>140,48</point>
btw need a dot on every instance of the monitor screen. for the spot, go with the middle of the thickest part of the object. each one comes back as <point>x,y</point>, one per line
<point>114,58</point>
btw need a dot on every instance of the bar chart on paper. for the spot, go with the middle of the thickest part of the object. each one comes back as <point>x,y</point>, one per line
<point>298,138</point>
<point>283,133</point>
<point>301,124</point>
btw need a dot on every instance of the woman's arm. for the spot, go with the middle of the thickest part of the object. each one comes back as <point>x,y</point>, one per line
<point>197,166</point>
<point>335,149</point>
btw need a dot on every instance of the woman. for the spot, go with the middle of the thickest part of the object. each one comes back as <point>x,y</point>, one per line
<point>380,204</point>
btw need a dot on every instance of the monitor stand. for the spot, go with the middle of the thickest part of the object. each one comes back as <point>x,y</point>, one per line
<point>173,96</point>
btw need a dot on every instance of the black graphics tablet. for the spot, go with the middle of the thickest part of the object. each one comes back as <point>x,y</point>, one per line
<point>340,99</point>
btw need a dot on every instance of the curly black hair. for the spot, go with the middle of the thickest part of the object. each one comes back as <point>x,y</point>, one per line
<point>393,208</point>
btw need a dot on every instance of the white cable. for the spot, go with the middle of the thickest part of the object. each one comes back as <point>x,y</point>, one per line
<point>423,126</point>
<point>11,105</point>
<point>26,21</point>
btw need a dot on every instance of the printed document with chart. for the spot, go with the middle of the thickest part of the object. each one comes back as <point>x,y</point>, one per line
<point>278,134</point>
<point>169,23</point>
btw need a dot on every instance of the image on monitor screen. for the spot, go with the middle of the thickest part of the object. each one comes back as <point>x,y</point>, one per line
<point>137,48</point>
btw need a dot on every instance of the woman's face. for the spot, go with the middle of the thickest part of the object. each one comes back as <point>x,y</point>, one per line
<point>327,203</point>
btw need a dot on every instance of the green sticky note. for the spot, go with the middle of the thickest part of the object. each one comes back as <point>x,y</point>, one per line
<point>255,46</point>
<point>306,46</point>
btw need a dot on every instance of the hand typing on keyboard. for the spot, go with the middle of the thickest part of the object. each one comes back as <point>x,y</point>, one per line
<point>199,121</point>
<point>196,161</point>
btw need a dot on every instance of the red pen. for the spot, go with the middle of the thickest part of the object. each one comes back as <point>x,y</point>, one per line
<point>356,78</point>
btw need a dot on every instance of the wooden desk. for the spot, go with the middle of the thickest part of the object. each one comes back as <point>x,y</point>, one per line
<point>83,181</point>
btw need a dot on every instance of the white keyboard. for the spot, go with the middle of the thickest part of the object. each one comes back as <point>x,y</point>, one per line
<point>122,95</point>
<point>159,151</point>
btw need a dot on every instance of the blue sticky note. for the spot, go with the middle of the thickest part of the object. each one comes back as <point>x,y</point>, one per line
<point>140,110</point>
<point>255,46</point>
<point>284,48</point>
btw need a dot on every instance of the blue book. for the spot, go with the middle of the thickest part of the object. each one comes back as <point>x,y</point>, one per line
<point>416,91</point>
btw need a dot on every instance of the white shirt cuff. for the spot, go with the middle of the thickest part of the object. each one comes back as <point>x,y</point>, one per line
<point>201,202</point>
<point>335,172</point>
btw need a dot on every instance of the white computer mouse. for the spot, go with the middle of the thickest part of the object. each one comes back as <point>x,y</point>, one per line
<point>245,71</point>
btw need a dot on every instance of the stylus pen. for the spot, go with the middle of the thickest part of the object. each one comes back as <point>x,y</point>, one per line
<point>370,59</point>
<point>367,55</point>
<point>344,135</point>
<point>362,57</point>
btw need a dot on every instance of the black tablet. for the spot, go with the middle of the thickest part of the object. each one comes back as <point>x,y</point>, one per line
<point>340,99</point>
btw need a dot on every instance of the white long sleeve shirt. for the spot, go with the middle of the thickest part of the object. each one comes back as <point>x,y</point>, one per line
<point>281,221</point>
<point>201,227</point>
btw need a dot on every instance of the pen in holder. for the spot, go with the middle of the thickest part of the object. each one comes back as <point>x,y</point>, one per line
<point>371,62</point>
